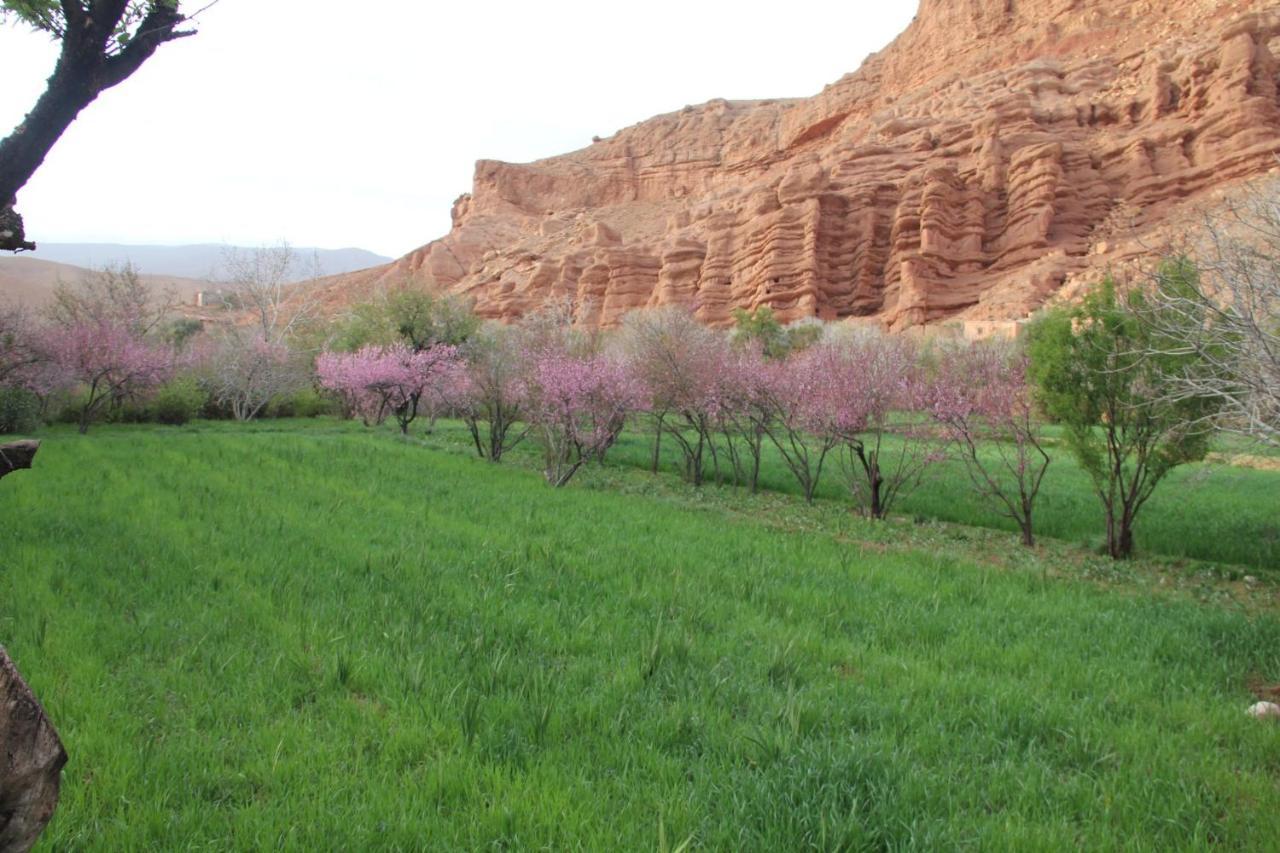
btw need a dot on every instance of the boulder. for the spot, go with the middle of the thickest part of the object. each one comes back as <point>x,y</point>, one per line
<point>1264,711</point>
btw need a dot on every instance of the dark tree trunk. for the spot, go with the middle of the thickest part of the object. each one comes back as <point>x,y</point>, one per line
<point>1120,539</point>
<point>657,446</point>
<point>86,67</point>
<point>1025,522</point>
<point>16,456</point>
<point>70,90</point>
<point>1028,536</point>
<point>878,509</point>
<point>31,755</point>
<point>31,761</point>
<point>1120,536</point>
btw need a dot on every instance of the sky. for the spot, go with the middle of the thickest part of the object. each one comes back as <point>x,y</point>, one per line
<point>339,124</point>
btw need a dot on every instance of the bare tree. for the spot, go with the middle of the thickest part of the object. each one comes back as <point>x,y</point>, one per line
<point>265,283</point>
<point>245,372</point>
<point>114,294</point>
<point>252,363</point>
<point>1220,302</point>
<point>18,351</point>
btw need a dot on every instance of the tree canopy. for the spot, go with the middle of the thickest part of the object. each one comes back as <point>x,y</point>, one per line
<point>1103,375</point>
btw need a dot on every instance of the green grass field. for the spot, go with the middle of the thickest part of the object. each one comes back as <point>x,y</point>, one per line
<point>308,635</point>
<point>1214,512</point>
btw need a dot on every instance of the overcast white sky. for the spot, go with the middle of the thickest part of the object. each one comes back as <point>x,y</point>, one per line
<point>338,124</point>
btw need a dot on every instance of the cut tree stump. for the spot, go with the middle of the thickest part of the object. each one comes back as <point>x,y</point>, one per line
<point>31,760</point>
<point>17,455</point>
<point>31,755</point>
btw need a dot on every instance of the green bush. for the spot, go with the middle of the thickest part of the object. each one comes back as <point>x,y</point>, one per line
<point>67,406</point>
<point>307,403</point>
<point>179,401</point>
<point>19,411</point>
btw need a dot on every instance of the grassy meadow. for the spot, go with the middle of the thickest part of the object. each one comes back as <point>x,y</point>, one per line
<point>307,635</point>
<point>1215,512</point>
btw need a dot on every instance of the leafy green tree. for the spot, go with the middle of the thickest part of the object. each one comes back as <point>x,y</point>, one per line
<point>409,315</point>
<point>103,43</point>
<point>1098,372</point>
<point>762,328</point>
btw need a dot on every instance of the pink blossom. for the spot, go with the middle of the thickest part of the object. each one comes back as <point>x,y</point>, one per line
<point>979,395</point>
<point>851,395</point>
<point>579,405</point>
<point>378,381</point>
<point>22,365</point>
<point>110,361</point>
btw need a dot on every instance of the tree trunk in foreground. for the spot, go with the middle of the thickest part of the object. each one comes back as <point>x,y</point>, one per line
<point>17,455</point>
<point>31,760</point>
<point>31,755</point>
<point>87,66</point>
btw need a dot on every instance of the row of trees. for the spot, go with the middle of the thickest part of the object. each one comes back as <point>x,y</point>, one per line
<point>1125,377</point>
<point>109,341</point>
<point>1116,373</point>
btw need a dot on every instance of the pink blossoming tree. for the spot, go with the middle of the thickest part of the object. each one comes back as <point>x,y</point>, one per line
<point>860,396</point>
<point>110,362</point>
<point>578,406</point>
<point>745,411</point>
<point>800,399</point>
<point>876,403</point>
<point>376,382</point>
<point>981,398</point>
<point>491,392</point>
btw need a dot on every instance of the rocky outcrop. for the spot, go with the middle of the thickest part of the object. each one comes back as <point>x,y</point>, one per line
<point>997,150</point>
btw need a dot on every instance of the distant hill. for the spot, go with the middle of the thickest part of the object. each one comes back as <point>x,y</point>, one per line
<point>195,262</point>
<point>30,281</point>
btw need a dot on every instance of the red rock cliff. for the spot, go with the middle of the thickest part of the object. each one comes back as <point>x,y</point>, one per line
<point>994,151</point>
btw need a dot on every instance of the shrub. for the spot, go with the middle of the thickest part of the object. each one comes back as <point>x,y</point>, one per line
<point>305,403</point>
<point>177,402</point>
<point>19,411</point>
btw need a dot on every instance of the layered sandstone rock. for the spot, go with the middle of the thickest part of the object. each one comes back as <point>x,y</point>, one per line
<point>997,150</point>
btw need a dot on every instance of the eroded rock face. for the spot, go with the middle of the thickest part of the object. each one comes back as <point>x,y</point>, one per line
<point>993,153</point>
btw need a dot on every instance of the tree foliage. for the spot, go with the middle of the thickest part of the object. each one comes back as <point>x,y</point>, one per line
<point>411,315</point>
<point>51,16</point>
<point>762,329</point>
<point>1102,374</point>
